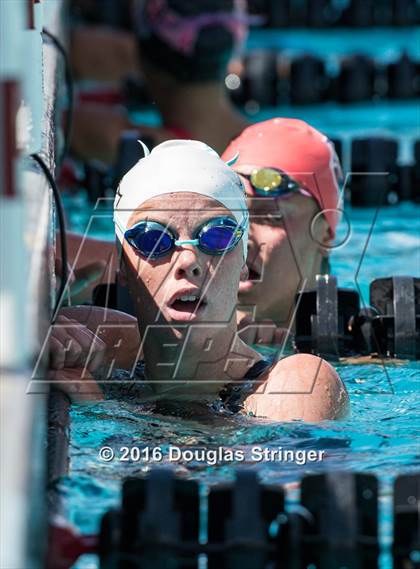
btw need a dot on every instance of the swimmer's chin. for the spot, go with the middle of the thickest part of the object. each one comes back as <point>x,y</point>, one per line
<point>245,286</point>
<point>254,278</point>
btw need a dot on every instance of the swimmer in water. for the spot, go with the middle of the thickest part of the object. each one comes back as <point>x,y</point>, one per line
<point>182,224</point>
<point>291,175</point>
<point>185,48</point>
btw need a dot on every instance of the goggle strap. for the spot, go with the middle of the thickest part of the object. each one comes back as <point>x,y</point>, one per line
<point>245,221</point>
<point>119,226</point>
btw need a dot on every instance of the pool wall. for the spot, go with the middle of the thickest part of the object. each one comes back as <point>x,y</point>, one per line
<point>29,75</point>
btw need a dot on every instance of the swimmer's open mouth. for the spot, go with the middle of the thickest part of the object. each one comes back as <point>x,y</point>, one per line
<point>253,275</point>
<point>187,303</point>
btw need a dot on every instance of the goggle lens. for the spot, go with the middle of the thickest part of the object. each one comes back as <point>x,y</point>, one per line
<point>217,239</point>
<point>266,179</point>
<point>151,242</point>
<point>272,182</point>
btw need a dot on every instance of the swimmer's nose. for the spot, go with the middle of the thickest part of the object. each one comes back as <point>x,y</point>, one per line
<point>251,244</point>
<point>255,251</point>
<point>187,262</point>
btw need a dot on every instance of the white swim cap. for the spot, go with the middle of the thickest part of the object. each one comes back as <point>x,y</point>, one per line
<point>180,166</point>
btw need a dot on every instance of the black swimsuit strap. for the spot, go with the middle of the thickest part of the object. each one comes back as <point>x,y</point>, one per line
<point>258,368</point>
<point>234,394</point>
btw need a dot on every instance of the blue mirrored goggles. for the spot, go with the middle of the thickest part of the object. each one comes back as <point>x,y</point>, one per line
<point>216,236</point>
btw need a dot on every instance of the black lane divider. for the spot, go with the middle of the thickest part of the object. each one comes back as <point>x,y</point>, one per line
<point>270,77</point>
<point>330,322</point>
<point>333,14</point>
<point>374,178</point>
<point>334,525</point>
<point>406,514</point>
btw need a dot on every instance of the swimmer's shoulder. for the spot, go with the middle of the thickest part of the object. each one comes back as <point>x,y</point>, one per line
<point>299,387</point>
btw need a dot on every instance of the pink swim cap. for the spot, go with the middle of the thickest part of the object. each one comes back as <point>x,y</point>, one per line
<point>298,149</point>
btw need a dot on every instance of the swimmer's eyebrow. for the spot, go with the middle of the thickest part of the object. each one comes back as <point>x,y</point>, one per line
<point>146,207</point>
<point>176,209</point>
<point>150,211</point>
<point>148,214</point>
<point>153,215</point>
<point>164,216</point>
<point>149,207</point>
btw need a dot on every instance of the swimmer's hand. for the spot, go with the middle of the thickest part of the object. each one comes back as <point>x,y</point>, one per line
<point>118,330</point>
<point>75,351</point>
<point>73,345</point>
<point>97,131</point>
<point>77,383</point>
<point>265,332</point>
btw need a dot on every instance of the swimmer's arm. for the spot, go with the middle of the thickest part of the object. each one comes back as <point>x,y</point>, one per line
<point>92,262</point>
<point>103,54</point>
<point>97,130</point>
<point>86,340</point>
<point>301,387</point>
<point>117,330</point>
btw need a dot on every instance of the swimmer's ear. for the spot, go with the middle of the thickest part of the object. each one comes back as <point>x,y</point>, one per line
<point>326,241</point>
<point>244,272</point>
<point>324,245</point>
<point>232,161</point>
<point>321,234</point>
